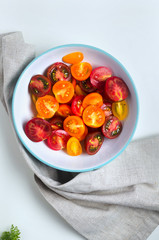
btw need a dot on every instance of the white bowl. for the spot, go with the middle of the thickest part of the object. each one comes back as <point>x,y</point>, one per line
<point>22,111</point>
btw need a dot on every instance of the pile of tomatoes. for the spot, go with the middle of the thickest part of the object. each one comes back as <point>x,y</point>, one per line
<point>75,103</point>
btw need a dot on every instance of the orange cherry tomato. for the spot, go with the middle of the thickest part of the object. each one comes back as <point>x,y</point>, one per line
<point>79,91</point>
<point>74,126</point>
<point>93,99</point>
<point>81,71</point>
<point>64,110</point>
<point>74,147</point>
<point>84,135</point>
<point>93,116</point>
<point>73,58</point>
<point>74,82</point>
<point>47,106</point>
<point>63,91</point>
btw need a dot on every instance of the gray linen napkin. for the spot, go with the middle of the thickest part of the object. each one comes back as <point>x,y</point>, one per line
<point>119,201</point>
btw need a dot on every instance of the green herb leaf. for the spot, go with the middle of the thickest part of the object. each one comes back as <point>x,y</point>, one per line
<point>13,234</point>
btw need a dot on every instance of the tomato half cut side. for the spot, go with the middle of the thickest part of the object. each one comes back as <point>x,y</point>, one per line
<point>58,72</point>
<point>93,116</point>
<point>93,142</point>
<point>116,89</point>
<point>81,71</point>
<point>99,76</point>
<point>93,99</point>
<point>64,110</point>
<point>39,85</point>
<point>76,105</point>
<point>112,127</point>
<point>120,109</point>
<point>37,129</point>
<point>63,91</point>
<point>107,109</point>
<point>56,123</point>
<point>58,140</point>
<point>72,58</point>
<point>87,86</point>
<point>74,126</point>
<point>74,147</point>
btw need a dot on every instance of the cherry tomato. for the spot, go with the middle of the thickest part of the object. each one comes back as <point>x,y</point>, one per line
<point>56,123</point>
<point>112,127</point>
<point>73,82</point>
<point>93,142</point>
<point>74,126</point>
<point>93,116</point>
<point>34,98</point>
<point>79,91</point>
<point>74,147</point>
<point>93,99</point>
<point>58,140</point>
<point>63,91</point>
<point>58,72</point>
<point>40,85</point>
<point>64,110</point>
<point>47,106</point>
<point>81,71</point>
<point>99,75</point>
<point>87,86</point>
<point>73,58</point>
<point>107,109</point>
<point>120,109</point>
<point>37,129</point>
<point>76,105</point>
<point>116,89</point>
<point>84,134</point>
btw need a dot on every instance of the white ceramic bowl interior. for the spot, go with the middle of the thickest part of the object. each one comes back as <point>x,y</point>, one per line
<point>22,111</point>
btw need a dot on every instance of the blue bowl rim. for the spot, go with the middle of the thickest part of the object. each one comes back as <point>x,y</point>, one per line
<point>137,100</point>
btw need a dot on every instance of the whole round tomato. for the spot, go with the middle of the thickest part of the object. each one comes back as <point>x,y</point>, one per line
<point>72,58</point>
<point>93,116</point>
<point>63,91</point>
<point>58,139</point>
<point>81,71</point>
<point>93,142</point>
<point>74,126</point>
<point>112,127</point>
<point>39,85</point>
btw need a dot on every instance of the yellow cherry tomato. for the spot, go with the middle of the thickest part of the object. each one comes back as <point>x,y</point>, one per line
<point>74,147</point>
<point>73,58</point>
<point>120,109</point>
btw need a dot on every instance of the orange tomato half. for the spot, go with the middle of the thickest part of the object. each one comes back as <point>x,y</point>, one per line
<point>93,99</point>
<point>63,91</point>
<point>74,147</point>
<point>93,116</point>
<point>74,126</point>
<point>81,71</point>
<point>64,110</point>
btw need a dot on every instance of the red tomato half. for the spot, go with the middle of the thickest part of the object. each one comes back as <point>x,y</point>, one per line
<point>93,142</point>
<point>58,139</point>
<point>76,105</point>
<point>107,109</point>
<point>87,86</point>
<point>58,72</point>
<point>112,127</point>
<point>39,85</point>
<point>37,129</point>
<point>99,75</point>
<point>56,123</point>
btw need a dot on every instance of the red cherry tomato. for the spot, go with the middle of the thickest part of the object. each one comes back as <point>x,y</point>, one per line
<point>93,142</point>
<point>99,75</point>
<point>116,89</point>
<point>58,139</point>
<point>81,71</point>
<point>76,105</point>
<point>39,85</point>
<point>87,86</point>
<point>56,123</point>
<point>58,72</point>
<point>112,127</point>
<point>37,129</point>
<point>73,58</point>
<point>107,109</point>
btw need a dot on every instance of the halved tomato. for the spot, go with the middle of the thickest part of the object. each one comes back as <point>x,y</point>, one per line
<point>72,58</point>
<point>107,109</point>
<point>120,109</point>
<point>84,134</point>
<point>74,147</point>
<point>93,99</point>
<point>93,142</point>
<point>93,116</point>
<point>58,72</point>
<point>76,105</point>
<point>56,123</point>
<point>74,126</point>
<point>39,85</point>
<point>46,106</point>
<point>73,81</point>
<point>64,110</point>
<point>63,91</point>
<point>87,86</point>
<point>58,140</point>
<point>79,91</point>
<point>112,127</point>
<point>81,71</point>
<point>37,129</point>
<point>99,75</point>
<point>116,89</point>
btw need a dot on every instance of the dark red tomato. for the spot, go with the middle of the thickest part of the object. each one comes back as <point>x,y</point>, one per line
<point>87,86</point>
<point>93,142</point>
<point>99,75</point>
<point>37,129</point>
<point>76,105</point>
<point>40,85</point>
<point>107,109</point>
<point>56,123</point>
<point>58,72</point>
<point>58,140</point>
<point>112,127</point>
<point>116,89</point>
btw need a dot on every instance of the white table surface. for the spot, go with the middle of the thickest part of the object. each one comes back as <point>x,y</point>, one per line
<point>129,30</point>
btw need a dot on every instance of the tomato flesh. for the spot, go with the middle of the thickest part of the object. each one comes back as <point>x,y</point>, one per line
<point>93,99</point>
<point>74,126</point>
<point>74,147</point>
<point>87,86</point>
<point>64,110</point>
<point>81,71</point>
<point>99,76</point>
<point>58,72</point>
<point>120,109</point>
<point>58,140</point>
<point>116,89</point>
<point>73,58</point>
<point>56,123</point>
<point>37,129</point>
<point>112,127</point>
<point>93,142</point>
<point>76,105</point>
<point>93,116</point>
<point>107,109</point>
<point>39,85</point>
